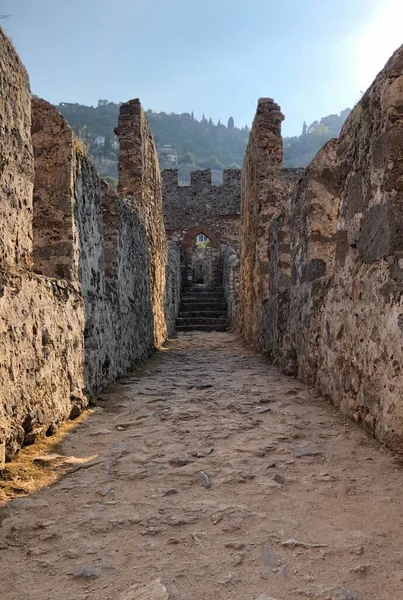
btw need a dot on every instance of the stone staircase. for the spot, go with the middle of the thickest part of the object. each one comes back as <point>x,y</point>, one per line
<point>203,308</point>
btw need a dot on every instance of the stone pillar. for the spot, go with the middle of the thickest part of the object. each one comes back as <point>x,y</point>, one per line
<point>54,231</point>
<point>263,191</point>
<point>140,184</point>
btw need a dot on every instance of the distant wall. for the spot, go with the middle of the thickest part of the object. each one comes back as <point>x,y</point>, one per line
<point>202,208</point>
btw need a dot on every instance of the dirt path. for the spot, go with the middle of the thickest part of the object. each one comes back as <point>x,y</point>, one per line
<point>207,464</point>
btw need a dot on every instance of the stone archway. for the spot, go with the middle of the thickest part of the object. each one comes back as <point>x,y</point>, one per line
<point>201,265</point>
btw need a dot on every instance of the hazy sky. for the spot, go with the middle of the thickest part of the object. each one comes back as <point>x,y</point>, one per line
<point>314,57</point>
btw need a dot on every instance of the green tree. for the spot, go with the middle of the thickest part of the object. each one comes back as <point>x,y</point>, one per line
<point>231,123</point>
<point>113,182</point>
<point>186,159</point>
<point>211,163</point>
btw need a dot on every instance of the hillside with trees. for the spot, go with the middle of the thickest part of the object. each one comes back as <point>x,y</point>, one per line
<point>187,143</point>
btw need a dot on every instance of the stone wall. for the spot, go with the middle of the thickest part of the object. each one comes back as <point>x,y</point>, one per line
<point>17,167</point>
<point>41,319</point>
<point>337,321</point>
<point>202,208</point>
<point>140,184</point>
<point>361,353</point>
<point>104,292</point>
<point>314,216</point>
<point>263,193</point>
<point>55,237</point>
<point>231,283</point>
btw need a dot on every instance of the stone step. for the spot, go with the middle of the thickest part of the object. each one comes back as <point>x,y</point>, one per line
<point>206,298</point>
<point>186,314</point>
<point>202,321</point>
<point>192,290</point>
<point>202,328</point>
<point>205,306</point>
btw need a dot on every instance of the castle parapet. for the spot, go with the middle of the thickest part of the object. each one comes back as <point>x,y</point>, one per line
<point>200,178</point>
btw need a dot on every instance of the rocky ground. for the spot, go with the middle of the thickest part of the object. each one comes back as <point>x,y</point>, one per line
<point>211,471</point>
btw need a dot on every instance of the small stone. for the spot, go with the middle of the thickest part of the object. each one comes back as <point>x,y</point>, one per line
<point>235,545</point>
<point>152,591</point>
<point>3,545</point>
<point>345,595</point>
<point>238,559</point>
<point>361,569</point>
<point>178,462</point>
<point>169,491</point>
<point>86,573</point>
<point>101,432</point>
<point>279,479</point>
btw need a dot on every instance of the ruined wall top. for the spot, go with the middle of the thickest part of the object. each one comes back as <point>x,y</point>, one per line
<point>202,207</point>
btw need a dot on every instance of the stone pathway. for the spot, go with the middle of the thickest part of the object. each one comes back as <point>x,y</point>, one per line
<point>218,476</point>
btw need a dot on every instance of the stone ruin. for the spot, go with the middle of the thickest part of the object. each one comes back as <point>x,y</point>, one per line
<point>88,284</point>
<point>311,260</point>
<point>321,267</point>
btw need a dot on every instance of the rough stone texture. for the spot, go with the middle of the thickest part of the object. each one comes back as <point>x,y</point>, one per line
<point>78,323</point>
<point>339,323</point>
<point>17,169</point>
<point>152,591</point>
<point>42,357</point>
<point>202,208</point>
<point>140,184</point>
<point>173,287</point>
<point>41,320</point>
<point>55,244</point>
<point>360,354</point>
<point>314,215</point>
<point>263,192</point>
<point>231,283</point>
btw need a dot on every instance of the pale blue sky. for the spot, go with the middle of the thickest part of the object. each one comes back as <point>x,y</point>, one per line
<point>314,57</point>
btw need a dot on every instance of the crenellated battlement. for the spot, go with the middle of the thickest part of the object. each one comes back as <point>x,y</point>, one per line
<point>185,206</point>
<point>201,178</point>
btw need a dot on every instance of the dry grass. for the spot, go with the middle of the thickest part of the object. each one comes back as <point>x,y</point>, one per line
<point>80,147</point>
<point>22,476</point>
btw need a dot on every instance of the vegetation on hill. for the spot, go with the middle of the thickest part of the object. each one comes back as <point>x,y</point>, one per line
<point>192,143</point>
<point>300,150</point>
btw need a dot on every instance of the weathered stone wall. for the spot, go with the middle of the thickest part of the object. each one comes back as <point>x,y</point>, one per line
<point>104,288</point>
<point>140,184</point>
<point>173,286</point>
<point>361,353</point>
<point>42,357</point>
<point>17,167</point>
<point>41,320</point>
<point>314,216</point>
<point>231,283</point>
<point>55,238</point>
<point>263,194</point>
<point>202,208</point>
<point>338,322</point>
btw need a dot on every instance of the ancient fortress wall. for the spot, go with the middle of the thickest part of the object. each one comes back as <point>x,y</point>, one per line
<point>321,282</point>
<point>140,185</point>
<point>202,208</point>
<point>263,193</point>
<point>86,286</point>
